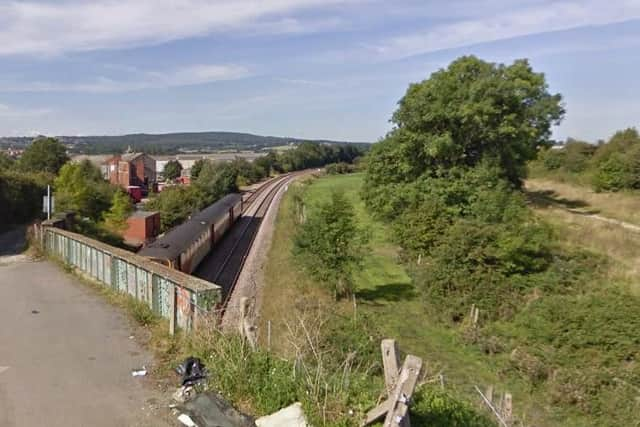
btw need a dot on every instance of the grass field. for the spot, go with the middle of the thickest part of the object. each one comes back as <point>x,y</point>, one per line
<point>587,356</point>
<point>623,205</point>
<point>386,295</point>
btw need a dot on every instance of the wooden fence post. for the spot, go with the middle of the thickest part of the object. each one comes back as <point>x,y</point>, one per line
<point>390,363</point>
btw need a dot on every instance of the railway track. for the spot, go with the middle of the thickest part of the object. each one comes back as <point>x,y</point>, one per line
<point>225,262</point>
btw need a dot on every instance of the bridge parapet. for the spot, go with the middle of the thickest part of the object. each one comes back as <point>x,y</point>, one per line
<point>169,293</point>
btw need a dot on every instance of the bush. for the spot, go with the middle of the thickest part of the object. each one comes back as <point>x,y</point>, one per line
<point>21,196</point>
<point>620,171</point>
<point>329,244</point>
<point>437,408</point>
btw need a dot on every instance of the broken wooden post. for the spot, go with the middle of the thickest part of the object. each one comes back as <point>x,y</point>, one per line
<point>398,414</point>
<point>247,330</point>
<point>390,364</point>
<point>507,410</point>
<point>489,393</point>
<point>495,411</point>
<point>400,385</point>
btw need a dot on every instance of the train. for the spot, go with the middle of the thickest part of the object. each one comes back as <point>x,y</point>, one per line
<point>185,246</point>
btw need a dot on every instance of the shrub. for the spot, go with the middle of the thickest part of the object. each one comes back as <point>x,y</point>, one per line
<point>329,244</point>
<point>437,408</point>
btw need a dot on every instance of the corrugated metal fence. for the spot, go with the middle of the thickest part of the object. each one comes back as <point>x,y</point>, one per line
<point>170,293</point>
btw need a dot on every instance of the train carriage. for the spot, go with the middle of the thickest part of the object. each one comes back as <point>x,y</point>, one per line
<point>185,246</point>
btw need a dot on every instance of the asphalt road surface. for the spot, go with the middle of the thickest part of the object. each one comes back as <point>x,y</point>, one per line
<point>66,355</point>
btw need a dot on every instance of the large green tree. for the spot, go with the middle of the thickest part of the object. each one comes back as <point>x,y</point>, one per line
<point>470,112</point>
<point>44,155</point>
<point>172,170</point>
<point>80,188</point>
<point>214,181</point>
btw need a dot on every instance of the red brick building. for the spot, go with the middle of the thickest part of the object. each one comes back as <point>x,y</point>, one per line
<point>132,169</point>
<point>142,227</point>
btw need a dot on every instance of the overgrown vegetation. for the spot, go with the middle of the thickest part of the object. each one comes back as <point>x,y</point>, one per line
<point>330,244</point>
<point>609,166</point>
<point>23,182</point>
<point>470,239</point>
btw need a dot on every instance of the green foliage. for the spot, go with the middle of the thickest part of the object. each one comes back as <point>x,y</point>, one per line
<point>588,346</point>
<point>610,166</point>
<point>172,170</point>
<point>339,168</point>
<point>44,155</point>
<point>121,207</point>
<point>436,408</point>
<point>214,181</point>
<point>80,188</point>
<point>329,243</point>
<point>21,196</point>
<point>620,171</point>
<point>175,204</point>
<point>196,168</point>
<point>311,155</point>
<point>268,163</point>
<point>6,162</point>
<point>249,172</point>
<point>469,113</point>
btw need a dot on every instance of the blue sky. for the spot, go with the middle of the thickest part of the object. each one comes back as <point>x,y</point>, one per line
<point>306,68</point>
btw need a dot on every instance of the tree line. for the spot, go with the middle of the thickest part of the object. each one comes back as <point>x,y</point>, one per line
<point>613,165</point>
<point>212,180</point>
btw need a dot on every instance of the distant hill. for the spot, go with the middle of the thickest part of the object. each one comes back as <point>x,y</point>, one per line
<point>170,143</point>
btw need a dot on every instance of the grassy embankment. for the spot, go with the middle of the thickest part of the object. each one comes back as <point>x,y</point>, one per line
<point>551,199</point>
<point>622,205</point>
<point>385,294</point>
<point>570,346</point>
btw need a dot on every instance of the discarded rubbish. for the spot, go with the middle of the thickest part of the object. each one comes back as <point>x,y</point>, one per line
<point>139,372</point>
<point>291,416</point>
<point>183,394</point>
<point>209,409</point>
<point>131,337</point>
<point>186,420</point>
<point>35,312</point>
<point>192,371</point>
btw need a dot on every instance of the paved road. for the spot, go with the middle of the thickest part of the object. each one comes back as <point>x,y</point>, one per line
<point>66,356</point>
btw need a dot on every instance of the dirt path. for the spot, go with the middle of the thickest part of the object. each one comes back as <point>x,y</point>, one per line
<point>544,194</point>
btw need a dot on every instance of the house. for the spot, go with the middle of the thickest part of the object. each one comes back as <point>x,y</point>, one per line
<point>132,170</point>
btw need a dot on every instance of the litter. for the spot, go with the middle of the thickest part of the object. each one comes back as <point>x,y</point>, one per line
<point>192,371</point>
<point>186,420</point>
<point>291,416</point>
<point>209,409</point>
<point>139,372</point>
<point>183,394</point>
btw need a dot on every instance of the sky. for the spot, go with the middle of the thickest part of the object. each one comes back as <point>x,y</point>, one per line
<point>330,69</point>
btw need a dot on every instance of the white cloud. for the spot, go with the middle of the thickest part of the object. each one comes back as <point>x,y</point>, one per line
<point>534,19</point>
<point>36,27</point>
<point>10,112</point>
<point>183,76</point>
